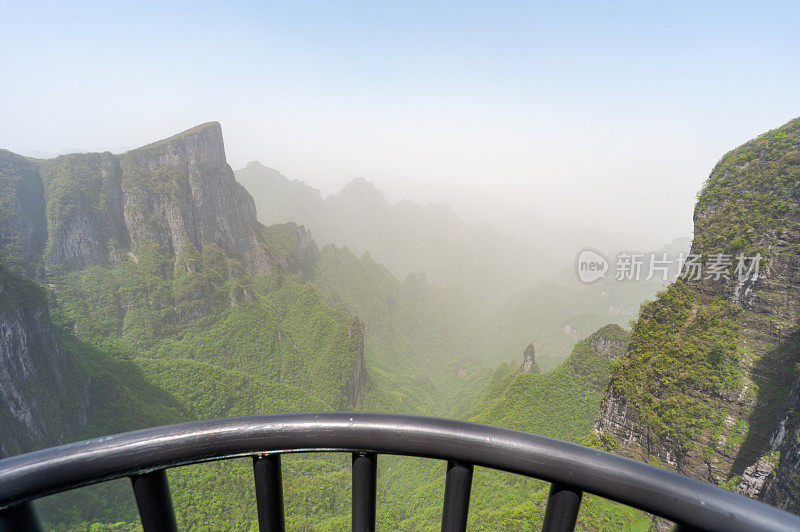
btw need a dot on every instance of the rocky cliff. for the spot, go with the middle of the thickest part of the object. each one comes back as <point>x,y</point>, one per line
<point>528,363</point>
<point>139,247</point>
<point>22,212</point>
<point>42,393</point>
<point>177,194</point>
<point>708,384</point>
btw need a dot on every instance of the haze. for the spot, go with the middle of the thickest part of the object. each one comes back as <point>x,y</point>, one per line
<point>532,116</point>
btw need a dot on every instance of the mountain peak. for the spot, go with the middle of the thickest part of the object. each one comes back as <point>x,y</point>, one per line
<point>361,190</point>
<point>201,144</point>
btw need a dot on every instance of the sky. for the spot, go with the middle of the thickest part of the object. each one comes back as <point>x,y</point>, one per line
<point>529,115</point>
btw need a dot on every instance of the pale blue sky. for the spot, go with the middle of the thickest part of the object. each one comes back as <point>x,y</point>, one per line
<point>603,115</point>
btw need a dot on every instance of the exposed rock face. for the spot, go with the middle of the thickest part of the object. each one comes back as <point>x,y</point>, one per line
<point>22,220</point>
<point>592,356</point>
<point>778,473</point>
<point>177,194</point>
<point>42,394</point>
<point>528,364</point>
<point>610,341</point>
<point>84,209</point>
<point>180,192</point>
<point>749,205</point>
<point>291,247</point>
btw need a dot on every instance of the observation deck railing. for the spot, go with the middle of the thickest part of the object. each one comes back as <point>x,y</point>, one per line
<point>144,455</point>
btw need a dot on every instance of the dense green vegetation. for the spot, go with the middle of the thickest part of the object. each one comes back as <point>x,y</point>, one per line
<point>750,189</point>
<point>679,345</point>
<point>562,403</point>
<point>206,309</point>
<point>159,336</point>
<point>217,359</point>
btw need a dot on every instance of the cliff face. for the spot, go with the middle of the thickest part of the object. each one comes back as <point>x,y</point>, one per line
<point>22,219</point>
<point>181,192</point>
<point>84,209</point>
<point>705,385</point>
<point>42,393</point>
<point>177,194</point>
<point>775,478</point>
<point>528,363</point>
<point>166,222</point>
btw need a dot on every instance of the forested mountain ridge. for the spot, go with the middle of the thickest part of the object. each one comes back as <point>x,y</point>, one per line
<point>404,236</point>
<point>708,385</point>
<point>158,298</point>
<point>139,290</point>
<point>561,403</point>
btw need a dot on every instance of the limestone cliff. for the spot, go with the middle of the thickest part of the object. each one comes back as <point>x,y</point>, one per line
<point>42,393</point>
<point>529,365</point>
<point>177,194</point>
<point>704,387</point>
<point>178,198</point>
<point>22,206</point>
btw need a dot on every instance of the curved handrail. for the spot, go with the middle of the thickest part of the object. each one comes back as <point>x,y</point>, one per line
<point>652,489</point>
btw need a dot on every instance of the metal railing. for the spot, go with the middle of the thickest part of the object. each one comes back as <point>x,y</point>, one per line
<point>144,455</point>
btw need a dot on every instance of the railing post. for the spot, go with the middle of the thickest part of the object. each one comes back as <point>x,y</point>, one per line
<point>458,486</point>
<point>562,508</point>
<point>155,505</point>
<point>364,486</point>
<point>269,492</point>
<point>19,517</point>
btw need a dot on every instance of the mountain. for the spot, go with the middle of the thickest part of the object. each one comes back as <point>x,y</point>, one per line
<point>502,282</point>
<point>709,383</point>
<point>425,345</point>
<point>405,237</point>
<point>140,290</point>
<point>561,403</point>
<point>177,195</point>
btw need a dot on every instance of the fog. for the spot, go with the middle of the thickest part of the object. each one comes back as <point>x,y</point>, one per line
<point>601,122</point>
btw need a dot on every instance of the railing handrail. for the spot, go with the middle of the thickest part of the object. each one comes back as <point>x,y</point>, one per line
<point>661,492</point>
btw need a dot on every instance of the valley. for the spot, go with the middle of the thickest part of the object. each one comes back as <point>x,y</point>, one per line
<point>159,286</point>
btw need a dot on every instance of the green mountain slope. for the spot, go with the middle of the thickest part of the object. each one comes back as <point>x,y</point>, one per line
<point>561,403</point>
<point>169,302</point>
<point>706,386</point>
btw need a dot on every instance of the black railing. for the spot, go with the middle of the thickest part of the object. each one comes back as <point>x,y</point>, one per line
<point>572,469</point>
